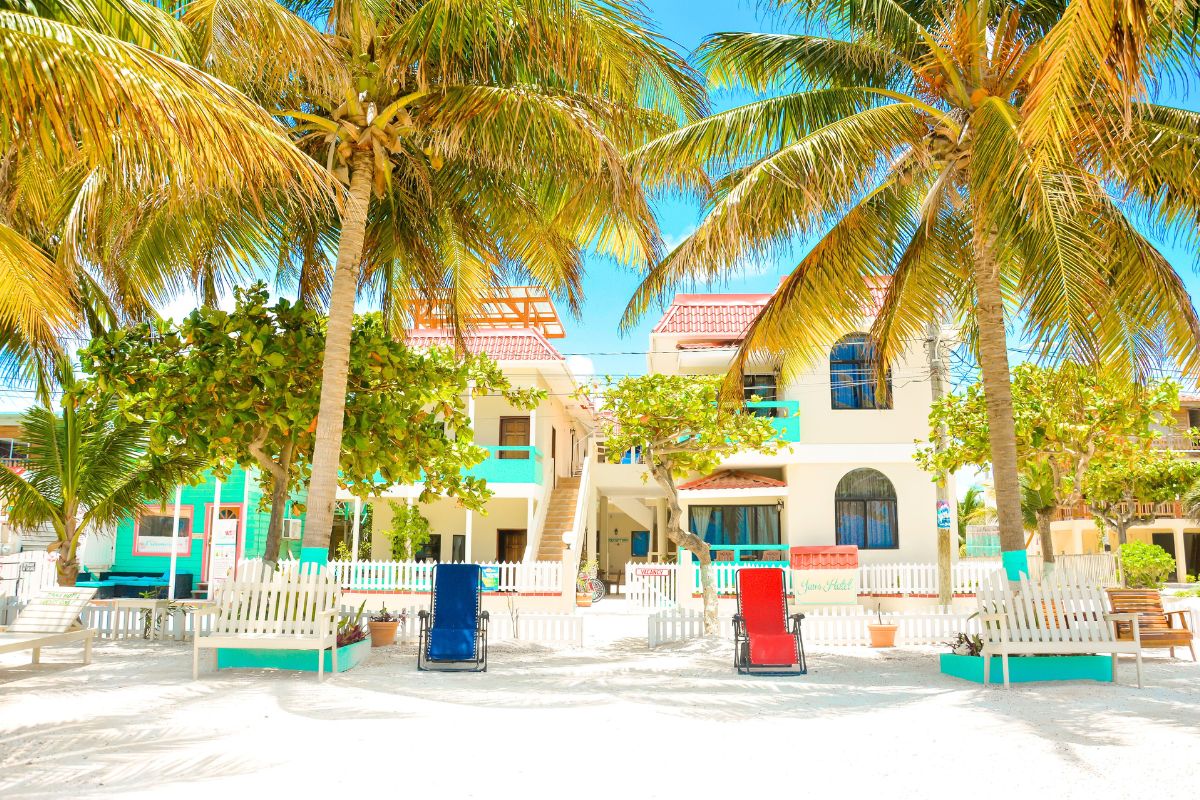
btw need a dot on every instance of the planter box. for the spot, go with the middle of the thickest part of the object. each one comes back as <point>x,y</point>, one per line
<point>349,657</point>
<point>1026,669</point>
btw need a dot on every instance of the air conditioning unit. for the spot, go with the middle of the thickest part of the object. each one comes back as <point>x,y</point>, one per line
<point>291,530</point>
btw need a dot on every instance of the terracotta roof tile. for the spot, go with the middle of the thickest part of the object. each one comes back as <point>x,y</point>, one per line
<point>827,557</point>
<point>500,345</point>
<point>719,314</point>
<point>734,479</point>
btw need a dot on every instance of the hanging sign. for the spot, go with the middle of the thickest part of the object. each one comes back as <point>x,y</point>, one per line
<point>489,579</point>
<point>824,576</point>
<point>943,515</point>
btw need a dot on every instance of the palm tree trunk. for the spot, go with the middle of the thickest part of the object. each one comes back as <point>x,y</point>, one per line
<point>997,388</point>
<point>322,488</point>
<point>67,566</point>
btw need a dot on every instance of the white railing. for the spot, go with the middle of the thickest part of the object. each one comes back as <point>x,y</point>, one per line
<point>578,521</point>
<point>533,538</point>
<point>922,579</point>
<point>22,575</point>
<point>1100,569</point>
<point>537,577</point>
<point>539,628</point>
<point>828,627</point>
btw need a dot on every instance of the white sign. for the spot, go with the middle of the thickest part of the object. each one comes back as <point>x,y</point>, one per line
<point>222,551</point>
<point>825,587</point>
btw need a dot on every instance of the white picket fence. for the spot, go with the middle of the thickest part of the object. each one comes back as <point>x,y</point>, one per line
<point>651,585</point>
<point>538,577</point>
<point>829,627</point>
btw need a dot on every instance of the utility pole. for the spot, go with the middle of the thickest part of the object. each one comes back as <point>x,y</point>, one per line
<point>938,370</point>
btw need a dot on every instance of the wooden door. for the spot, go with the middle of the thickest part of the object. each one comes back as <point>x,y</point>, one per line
<point>514,432</point>
<point>510,545</point>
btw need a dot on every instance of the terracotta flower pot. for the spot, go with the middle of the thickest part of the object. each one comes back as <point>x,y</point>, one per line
<point>583,599</point>
<point>383,633</point>
<point>882,635</point>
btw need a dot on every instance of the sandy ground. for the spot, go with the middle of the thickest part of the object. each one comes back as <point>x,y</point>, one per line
<point>611,720</point>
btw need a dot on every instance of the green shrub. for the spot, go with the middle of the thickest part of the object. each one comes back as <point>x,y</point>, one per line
<point>1146,566</point>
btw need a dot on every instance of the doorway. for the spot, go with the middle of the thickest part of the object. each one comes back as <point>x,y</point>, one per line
<point>514,432</point>
<point>510,545</point>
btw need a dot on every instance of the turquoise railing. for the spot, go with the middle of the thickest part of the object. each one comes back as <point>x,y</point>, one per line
<point>760,555</point>
<point>524,466</point>
<point>787,421</point>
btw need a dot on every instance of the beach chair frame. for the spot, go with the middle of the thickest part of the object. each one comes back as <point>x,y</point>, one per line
<point>427,619</point>
<point>741,637</point>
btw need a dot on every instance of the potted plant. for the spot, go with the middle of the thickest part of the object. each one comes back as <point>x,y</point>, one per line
<point>383,624</point>
<point>583,588</point>
<point>882,634</point>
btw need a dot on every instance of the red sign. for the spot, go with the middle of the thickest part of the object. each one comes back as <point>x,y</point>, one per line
<point>651,572</point>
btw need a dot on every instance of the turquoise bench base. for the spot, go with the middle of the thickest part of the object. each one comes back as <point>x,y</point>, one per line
<point>1026,669</point>
<point>349,657</point>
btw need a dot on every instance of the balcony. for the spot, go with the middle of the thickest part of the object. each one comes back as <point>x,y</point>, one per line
<point>1171,510</point>
<point>12,463</point>
<point>785,416</point>
<point>524,465</point>
<point>1179,440</point>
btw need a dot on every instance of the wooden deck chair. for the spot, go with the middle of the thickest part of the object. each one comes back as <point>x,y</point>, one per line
<point>1159,628</point>
<point>454,629</point>
<point>51,619</point>
<point>763,642</point>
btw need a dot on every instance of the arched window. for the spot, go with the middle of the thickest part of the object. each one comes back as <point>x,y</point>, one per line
<point>865,510</point>
<point>852,375</point>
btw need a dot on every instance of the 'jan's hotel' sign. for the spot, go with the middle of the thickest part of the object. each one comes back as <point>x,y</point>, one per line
<point>824,576</point>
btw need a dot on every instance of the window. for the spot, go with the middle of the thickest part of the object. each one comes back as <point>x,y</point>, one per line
<point>717,525</point>
<point>12,449</point>
<point>431,550</point>
<point>763,387</point>
<point>852,375</point>
<point>865,511</point>
<point>152,531</point>
<point>458,548</point>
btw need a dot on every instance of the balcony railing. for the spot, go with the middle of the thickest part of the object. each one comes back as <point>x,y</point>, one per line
<point>1171,510</point>
<point>785,416</point>
<point>1180,441</point>
<point>12,462</point>
<point>510,464</point>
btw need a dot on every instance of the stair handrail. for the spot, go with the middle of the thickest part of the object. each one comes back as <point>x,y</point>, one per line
<point>578,524</point>
<point>533,539</point>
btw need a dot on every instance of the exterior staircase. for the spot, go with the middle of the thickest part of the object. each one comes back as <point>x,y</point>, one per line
<point>560,516</point>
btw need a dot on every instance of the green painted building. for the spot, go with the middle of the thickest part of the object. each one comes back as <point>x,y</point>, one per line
<point>144,545</point>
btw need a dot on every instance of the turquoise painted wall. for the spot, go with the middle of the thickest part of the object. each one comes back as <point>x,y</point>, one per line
<point>197,499</point>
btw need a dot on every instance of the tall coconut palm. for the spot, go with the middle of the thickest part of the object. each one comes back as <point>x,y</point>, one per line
<point>88,468</point>
<point>476,138</point>
<point>120,161</point>
<point>980,159</point>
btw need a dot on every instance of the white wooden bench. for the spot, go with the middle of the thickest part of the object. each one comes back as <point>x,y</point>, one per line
<point>50,619</point>
<point>294,607</point>
<point>1051,617</point>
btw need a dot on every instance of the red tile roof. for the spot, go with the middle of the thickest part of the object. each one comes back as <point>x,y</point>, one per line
<point>734,479</point>
<point>843,556</point>
<point>726,315</point>
<point>500,345</point>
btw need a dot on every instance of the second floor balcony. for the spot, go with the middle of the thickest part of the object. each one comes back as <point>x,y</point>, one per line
<point>1169,510</point>
<point>510,464</point>
<point>784,414</point>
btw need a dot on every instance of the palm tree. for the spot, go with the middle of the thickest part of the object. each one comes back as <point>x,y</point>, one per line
<point>87,469</point>
<point>975,159</point>
<point>126,172</point>
<point>477,140</point>
<point>973,510</point>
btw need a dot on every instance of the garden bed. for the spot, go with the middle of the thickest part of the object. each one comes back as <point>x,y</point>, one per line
<point>1027,669</point>
<point>349,657</point>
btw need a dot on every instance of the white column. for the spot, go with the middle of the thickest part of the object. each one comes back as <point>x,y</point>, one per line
<point>355,526</point>
<point>471,404</point>
<point>212,523</point>
<point>245,521</point>
<point>469,555</point>
<point>174,543</point>
<point>530,536</point>
<point>1181,564</point>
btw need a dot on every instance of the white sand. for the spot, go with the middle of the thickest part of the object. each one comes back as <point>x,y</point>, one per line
<point>614,720</point>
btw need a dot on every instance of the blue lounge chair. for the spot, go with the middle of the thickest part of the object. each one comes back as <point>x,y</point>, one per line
<point>454,629</point>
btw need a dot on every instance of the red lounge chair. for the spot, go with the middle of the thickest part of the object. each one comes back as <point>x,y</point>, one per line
<point>763,644</point>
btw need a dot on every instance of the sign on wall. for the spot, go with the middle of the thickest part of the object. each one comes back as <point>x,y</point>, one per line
<point>222,551</point>
<point>825,576</point>
<point>943,515</point>
<point>489,579</point>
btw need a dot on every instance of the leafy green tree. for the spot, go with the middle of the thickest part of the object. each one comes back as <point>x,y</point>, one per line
<point>957,160</point>
<point>243,387</point>
<point>409,531</point>
<point>88,467</point>
<point>1121,484</point>
<point>679,428</point>
<point>1065,418</point>
<point>476,141</point>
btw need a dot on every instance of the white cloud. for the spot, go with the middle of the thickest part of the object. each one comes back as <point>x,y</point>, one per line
<point>582,367</point>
